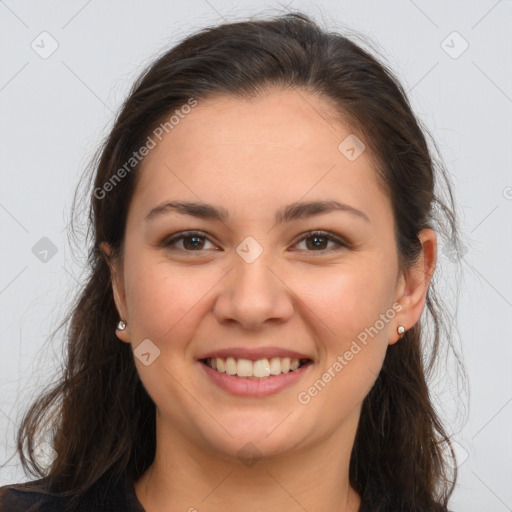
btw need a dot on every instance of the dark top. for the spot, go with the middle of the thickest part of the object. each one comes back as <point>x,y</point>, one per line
<point>119,496</point>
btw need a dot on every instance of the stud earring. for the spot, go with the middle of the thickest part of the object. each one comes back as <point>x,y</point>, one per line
<point>401,330</point>
<point>121,325</point>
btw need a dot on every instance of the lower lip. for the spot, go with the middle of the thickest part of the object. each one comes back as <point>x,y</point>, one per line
<point>250,387</point>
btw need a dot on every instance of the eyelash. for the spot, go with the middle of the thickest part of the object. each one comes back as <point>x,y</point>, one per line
<point>168,243</point>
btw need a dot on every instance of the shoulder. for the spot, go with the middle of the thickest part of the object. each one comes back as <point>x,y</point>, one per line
<point>379,498</point>
<point>106,495</point>
<point>28,497</point>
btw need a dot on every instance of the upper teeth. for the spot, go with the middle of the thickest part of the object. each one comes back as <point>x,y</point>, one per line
<point>248,368</point>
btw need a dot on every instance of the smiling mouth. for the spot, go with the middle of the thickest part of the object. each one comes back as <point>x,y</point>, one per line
<point>261,369</point>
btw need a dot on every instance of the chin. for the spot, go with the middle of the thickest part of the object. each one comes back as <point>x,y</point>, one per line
<point>256,435</point>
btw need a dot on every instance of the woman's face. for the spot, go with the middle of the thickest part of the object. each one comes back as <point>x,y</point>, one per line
<point>251,285</point>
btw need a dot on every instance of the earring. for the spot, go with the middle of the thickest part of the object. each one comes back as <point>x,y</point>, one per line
<point>401,330</point>
<point>121,325</point>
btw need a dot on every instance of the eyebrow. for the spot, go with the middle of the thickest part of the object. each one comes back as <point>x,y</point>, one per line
<point>289,213</point>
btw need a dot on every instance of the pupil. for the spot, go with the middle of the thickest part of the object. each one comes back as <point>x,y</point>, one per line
<point>196,241</point>
<point>317,241</point>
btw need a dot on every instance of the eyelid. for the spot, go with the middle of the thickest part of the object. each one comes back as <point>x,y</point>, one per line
<point>331,237</point>
<point>169,241</point>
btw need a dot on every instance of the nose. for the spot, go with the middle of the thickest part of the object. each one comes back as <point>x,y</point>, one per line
<point>253,295</point>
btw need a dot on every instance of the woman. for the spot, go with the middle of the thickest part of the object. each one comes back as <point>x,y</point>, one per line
<point>264,224</point>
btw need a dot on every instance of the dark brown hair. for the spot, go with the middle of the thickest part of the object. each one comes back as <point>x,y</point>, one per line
<point>102,420</point>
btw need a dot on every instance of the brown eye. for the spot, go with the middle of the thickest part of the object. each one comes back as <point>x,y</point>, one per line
<point>194,241</point>
<point>190,242</point>
<point>317,241</point>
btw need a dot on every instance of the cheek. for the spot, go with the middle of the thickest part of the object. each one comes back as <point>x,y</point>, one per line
<point>355,304</point>
<point>350,298</point>
<point>157,298</point>
<point>353,349</point>
<point>343,386</point>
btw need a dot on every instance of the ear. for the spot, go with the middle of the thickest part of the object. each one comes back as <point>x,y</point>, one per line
<point>414,283</point>
<point>117,280</point>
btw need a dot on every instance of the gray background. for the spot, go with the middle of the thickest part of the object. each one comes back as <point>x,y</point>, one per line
<point>55,110</point>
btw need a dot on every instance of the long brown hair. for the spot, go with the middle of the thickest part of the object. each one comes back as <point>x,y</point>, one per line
<point>102,420</point>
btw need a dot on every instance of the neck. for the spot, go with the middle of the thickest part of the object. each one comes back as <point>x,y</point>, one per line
<point>185,476</point>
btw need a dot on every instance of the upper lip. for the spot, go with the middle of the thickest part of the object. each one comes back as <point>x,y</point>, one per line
<point>253,354</point>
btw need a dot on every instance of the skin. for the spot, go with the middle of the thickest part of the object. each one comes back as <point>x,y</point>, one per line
<point>253,157</point>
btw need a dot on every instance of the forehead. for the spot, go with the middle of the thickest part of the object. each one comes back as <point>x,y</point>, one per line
<point>228,150</point>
